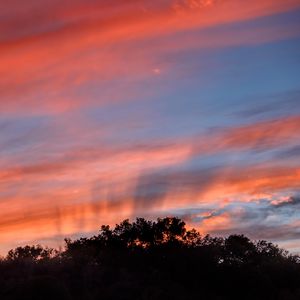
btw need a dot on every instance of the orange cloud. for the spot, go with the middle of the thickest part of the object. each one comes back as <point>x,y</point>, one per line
<point>260,135</point>
<point>88,186</point>
<point>42,69</point>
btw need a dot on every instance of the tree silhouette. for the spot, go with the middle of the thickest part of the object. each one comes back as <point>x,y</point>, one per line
<point>147,259</point>
<point>30,253</point>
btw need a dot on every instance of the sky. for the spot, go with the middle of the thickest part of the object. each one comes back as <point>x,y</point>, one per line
<point>115,109</point>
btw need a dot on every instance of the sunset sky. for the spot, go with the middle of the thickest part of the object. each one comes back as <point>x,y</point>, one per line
<point>112,109</point>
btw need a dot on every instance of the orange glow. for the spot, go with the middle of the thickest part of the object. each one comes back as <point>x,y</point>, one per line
<point>214,223</point>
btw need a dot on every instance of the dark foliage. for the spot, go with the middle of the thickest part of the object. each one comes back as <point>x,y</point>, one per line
<point>149,261</point>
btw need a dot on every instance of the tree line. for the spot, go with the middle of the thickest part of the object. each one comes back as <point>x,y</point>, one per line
<point>151,260</point>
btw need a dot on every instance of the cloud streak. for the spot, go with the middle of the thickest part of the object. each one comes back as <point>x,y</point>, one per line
<point>66,56</point>
<point>88,133</point>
